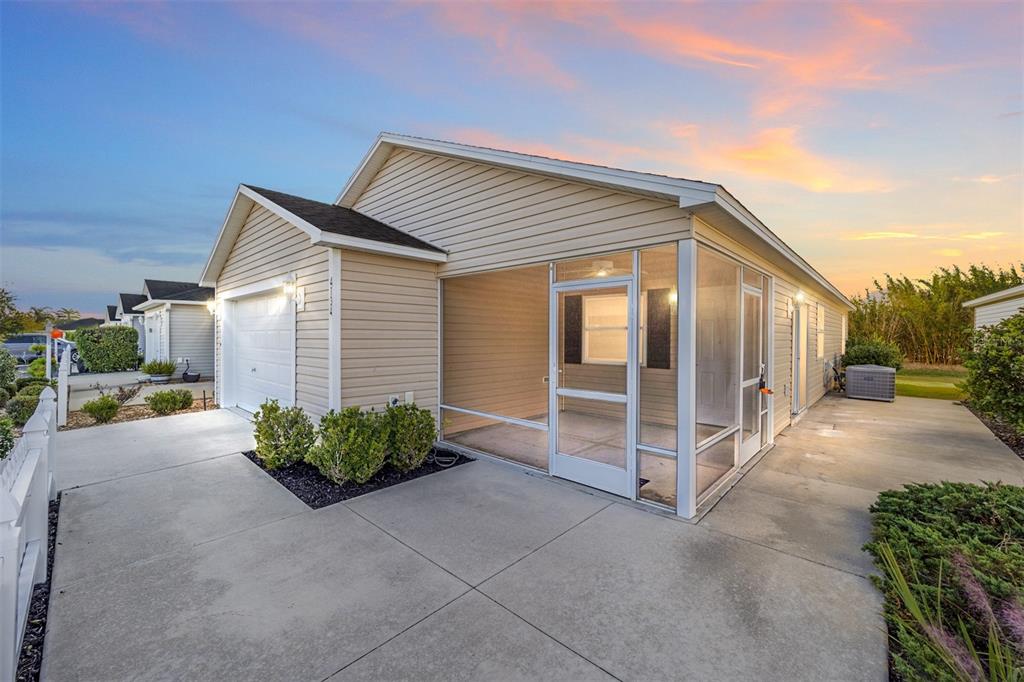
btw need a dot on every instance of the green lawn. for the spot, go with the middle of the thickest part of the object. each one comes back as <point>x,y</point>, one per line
<point>930,382</point>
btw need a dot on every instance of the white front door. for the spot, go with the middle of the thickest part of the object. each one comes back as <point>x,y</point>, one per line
<point>262,347</point>
<point>154,325</point>
<point>593,370</point>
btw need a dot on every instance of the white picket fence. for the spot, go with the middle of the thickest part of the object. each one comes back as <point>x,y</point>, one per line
<point>26,487</point>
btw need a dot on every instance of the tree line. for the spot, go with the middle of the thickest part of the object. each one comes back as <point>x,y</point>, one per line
<point>15,321</point>
<point>925,318</point>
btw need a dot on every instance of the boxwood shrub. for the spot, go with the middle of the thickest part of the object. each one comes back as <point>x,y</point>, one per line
<point>22,382</point>
<point>353,445</point>
<point>102,409</point>
<point>6,436</point>
<point>21,407</point>
<point>108,349</point>
<point>873,352</point>
<point>37,368</point>
<point>283,435</point>
<point>411,434</point>
<point>995,371</point>
<point>33,389</point>
<point>952,561</point>
<point>165,402</point>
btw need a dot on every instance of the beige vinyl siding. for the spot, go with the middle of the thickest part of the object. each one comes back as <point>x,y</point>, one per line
<point>994,313</point>
<point>488,217</point>
<point>388,330</point>
<point>495,345</point>
<point>269,247</point>
<point>786,287</point>
<point>191,336</point>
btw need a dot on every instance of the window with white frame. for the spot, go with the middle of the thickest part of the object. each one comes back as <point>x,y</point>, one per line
<point>606,329</point>
<point>820,328</point>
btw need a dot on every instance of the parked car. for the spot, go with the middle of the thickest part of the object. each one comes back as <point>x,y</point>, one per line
<point>20,346</point>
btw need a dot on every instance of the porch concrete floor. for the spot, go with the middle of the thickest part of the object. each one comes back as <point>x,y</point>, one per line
<point>179,559</point>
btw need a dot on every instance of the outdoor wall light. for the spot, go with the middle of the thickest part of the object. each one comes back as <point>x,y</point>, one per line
<point>800,298</point>
<point>289,288</point>
<point>211,305</point>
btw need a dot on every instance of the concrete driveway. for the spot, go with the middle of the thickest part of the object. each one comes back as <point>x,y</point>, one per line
<point>202,567</point>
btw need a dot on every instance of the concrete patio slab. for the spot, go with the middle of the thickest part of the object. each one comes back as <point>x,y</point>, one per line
<point>832,536</point>
<point>646,597</point>
<point>102,453</point>
<point>119,522</point>
<point>297,599</point>
<point>472,639</point>
<point>479,517</point>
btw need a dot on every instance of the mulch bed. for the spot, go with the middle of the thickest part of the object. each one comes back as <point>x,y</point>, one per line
<point>1013,438</point>
<point>35,629</point>
<point>130,413</point>
<point>309,485</point>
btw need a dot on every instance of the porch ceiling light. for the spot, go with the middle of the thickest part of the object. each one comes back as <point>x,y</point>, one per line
<point>603,268</point>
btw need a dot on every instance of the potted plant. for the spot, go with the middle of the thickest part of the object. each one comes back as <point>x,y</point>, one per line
<point>159,371</point>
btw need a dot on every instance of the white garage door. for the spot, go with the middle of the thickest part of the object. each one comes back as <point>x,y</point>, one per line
<point>263,333</point>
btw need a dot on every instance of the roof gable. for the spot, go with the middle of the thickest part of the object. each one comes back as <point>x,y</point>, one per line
<point>326,225</point>
<point>165,290</point>
<point>127,303</point>
<point>702,199</point>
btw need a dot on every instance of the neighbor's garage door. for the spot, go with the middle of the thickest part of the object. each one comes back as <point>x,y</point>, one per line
<point>263,333</point>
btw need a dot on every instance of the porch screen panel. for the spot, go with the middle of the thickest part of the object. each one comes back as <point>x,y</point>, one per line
<point>657,347</point>
<point>718,326</point>
<point>495,353</point>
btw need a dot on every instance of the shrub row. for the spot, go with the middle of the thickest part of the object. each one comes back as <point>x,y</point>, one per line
<point>952,562</point>
<point>350,445</point>
<point>22,404</point>
<point>105,407</point>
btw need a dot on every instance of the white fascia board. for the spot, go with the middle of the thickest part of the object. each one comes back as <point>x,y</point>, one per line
<point>995,297</point>
<point>343,241</point>
<point>662,186</point>
<point>164,302</point>
<point>733,207</point>
<point>238,210</point>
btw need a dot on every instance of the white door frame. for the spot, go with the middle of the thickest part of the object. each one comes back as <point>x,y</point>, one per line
<point>799,356</point>
<point>749,448</point>
<point>594,474</point>
<point>226,354</point>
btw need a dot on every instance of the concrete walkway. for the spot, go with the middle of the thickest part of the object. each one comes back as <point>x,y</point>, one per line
<point>179,559</point>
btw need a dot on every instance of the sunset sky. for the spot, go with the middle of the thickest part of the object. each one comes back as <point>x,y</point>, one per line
<point>871,137</point>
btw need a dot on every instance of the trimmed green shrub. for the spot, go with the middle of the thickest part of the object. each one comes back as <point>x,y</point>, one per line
<point>38,348</point>
<point>21,407</point>
<point>108,349</point>
<point>12,389</point>
<point>995,371</point>
<point>872,352</point>
<point>6,436</point>
<point>33,389</point>
<point>353,445</point>
<point>283,435</point>
<point>165,402</point>
<point>37,368</point>
<point>159,367</point>
<point>22,382</point>
<point>411,434</point>
<point>8,367</point>
<point>102,409</point>
<point>3,398</point>
<point>952,557</point>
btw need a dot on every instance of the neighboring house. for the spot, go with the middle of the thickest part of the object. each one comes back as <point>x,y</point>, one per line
<point>605,326</point>
<point>994,308</point>
<point>111,316</point>
<point>179,324</point>
<point>129,315</point>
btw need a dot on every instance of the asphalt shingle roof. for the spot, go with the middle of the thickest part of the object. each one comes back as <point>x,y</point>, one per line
<point>341,220</point>
<point>164,290</point>
<point>111,313</point>
<point>129,301</point>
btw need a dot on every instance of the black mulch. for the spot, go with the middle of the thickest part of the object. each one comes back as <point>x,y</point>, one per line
<point>309,485</point>
<point>35,630</point>
<point>1013,438</point>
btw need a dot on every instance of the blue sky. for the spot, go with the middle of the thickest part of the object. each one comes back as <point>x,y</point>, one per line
<point>871,137</point>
